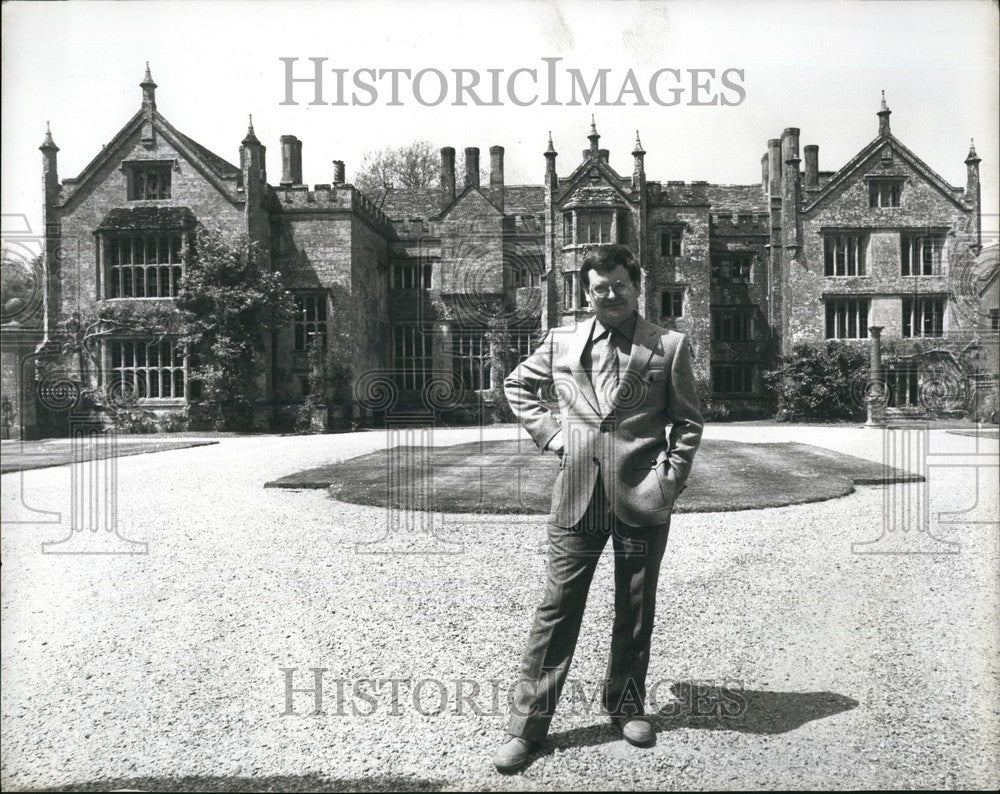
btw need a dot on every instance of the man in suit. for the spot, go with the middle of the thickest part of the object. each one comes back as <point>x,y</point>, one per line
<point>626,436</point>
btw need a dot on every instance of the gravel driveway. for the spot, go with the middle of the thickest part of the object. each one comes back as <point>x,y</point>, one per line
<point>780,659</point>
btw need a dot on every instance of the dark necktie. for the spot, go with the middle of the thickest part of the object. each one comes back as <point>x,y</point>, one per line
<point>606,381</point>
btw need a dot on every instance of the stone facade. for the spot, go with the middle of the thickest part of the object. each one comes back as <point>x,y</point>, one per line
<point>431,275</point>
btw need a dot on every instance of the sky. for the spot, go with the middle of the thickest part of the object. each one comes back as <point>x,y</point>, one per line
<point>820,66</point>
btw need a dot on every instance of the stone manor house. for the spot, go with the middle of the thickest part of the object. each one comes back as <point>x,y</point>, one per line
<point>747,271</point>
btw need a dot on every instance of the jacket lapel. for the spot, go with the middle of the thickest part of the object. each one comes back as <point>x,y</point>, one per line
<point>580,375</point>
<point>644,341</point>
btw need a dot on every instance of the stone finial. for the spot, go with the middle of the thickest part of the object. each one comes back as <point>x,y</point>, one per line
<point>638,145</point>
<point>148,90</point>
<point>48,143</point>
<point>594,137</point>
<point>251,137</point>
<point>973,158</point>
<point>883,118</point>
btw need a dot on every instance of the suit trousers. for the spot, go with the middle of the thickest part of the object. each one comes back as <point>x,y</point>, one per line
<point>573,554</point>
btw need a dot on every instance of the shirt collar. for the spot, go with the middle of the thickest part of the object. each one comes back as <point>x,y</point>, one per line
<point>625,327</point>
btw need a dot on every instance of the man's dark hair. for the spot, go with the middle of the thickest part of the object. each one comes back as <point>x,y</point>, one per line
<point>605,258</point>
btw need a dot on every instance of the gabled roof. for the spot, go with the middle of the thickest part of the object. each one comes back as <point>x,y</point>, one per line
<point>408,202</point>
<point>461,197</point>
<point>222,167</point>
<point>611,177</point>
<point>216,169</point>
<point>870,151</point>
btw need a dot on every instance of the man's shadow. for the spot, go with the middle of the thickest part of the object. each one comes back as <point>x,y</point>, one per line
<point>703,706</point>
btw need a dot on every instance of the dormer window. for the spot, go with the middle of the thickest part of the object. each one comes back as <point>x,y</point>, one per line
<point>148,180</point>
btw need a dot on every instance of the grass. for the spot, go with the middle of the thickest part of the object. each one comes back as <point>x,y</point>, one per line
<point>24,455</point>
<point>503,477</point>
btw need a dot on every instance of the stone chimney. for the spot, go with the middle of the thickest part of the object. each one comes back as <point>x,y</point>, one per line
<point>603,155</point>
<point>764,167</point>
<point>812,166</point>
<point>291,160</point>
<point>338,172</point>
<point>496,175</point>
<point>471,166</point>
<point>774,166</point>
<point>447,176</point>
<point>791,188</point>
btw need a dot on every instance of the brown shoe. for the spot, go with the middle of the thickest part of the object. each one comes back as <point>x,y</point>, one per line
<point>636,730</point>
<point>514,754</point>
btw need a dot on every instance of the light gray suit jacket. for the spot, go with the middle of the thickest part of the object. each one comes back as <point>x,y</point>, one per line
<point>644,446</point>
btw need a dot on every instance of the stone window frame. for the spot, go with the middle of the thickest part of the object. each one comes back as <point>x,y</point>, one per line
<point>137,179</point>
<point>916,239</point>
<point>854,250</point>
<point>574,296</point>
<point>738,320</point>
<point>471,359</point>
<point>902,380</point>
<point>577,227</point>
<point>915,316</point>
<point>676,293</point>
<point>717,267</point>
<point>737,378</point>
<point>851,316</point>
<point>411,275</point>
<point>671,237</point>
<point>526,272</point>
<point>877,187</point>
<point>117,270</point>
<point>303,326</point>
<point>412,356</point>
<point>137,374</point>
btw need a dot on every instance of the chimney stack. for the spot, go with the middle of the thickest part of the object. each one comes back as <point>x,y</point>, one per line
<point>603,155</point>
<point>812,166</point>
<point>471,166</point>
<point>447,176</point>
<point>291,160</point>
<point>791,188</point>
<point>496,175</point>
<point>774,166</point>
<point>338,172</point>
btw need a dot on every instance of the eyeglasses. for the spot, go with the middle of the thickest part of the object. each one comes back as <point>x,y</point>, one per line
<point>603,290</point>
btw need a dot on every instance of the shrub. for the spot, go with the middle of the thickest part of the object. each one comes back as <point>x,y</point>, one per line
<point>820,381</point>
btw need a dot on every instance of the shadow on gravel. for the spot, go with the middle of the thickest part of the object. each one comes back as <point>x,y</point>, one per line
<point>254,784</point>
<point>746,710</point>
<point>711,708</point>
